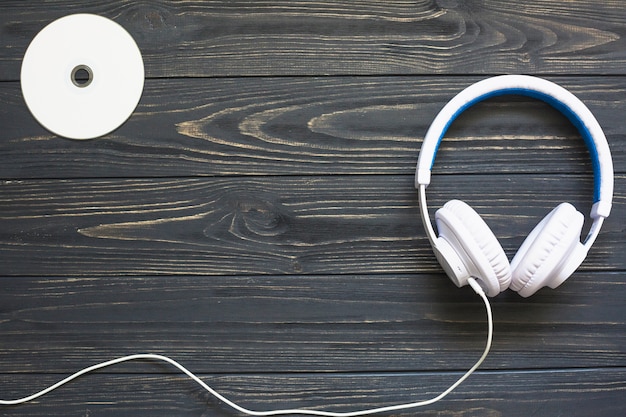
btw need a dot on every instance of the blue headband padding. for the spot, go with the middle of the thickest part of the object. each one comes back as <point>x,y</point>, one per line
<point>557,104</point>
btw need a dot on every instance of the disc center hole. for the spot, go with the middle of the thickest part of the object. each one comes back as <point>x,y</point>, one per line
<point>82,76</point>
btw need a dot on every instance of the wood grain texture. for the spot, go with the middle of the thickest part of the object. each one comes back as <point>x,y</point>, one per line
<point>324,323</point>
<point>256,219</point>
<point>287,37</point>
<point>309,225</point>
<point>518,394</point>
<point>295,126</point>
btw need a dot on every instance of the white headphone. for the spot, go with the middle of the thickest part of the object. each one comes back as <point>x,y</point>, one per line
<point>466,247</point>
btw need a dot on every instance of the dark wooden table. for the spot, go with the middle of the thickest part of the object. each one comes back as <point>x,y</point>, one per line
<point>256,219</point>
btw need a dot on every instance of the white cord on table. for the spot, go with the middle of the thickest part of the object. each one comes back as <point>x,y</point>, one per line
<point>150,356</point>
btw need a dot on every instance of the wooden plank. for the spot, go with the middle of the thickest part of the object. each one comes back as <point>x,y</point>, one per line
<point>341,323</point>
<point>294,126</point>
<point>283,225</point>
<point>226,38</point>
<point>576,393</point>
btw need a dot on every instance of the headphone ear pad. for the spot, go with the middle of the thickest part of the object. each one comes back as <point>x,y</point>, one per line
<point>476,245</point>
<point>550,253</point>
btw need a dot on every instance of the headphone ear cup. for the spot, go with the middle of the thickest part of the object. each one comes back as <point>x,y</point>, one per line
<point>550,253</point>
<point>477,247</point>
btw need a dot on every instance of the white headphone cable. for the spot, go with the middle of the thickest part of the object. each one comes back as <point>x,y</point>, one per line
<point>150,356</point>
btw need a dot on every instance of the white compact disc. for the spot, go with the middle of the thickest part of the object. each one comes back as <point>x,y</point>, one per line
<point>82,76</point>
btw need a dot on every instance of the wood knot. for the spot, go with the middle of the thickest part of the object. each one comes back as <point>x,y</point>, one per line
<point>258,216</point>
<point>147,21</point>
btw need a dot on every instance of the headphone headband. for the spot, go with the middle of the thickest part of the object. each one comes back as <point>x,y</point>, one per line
<point>547,91</point>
